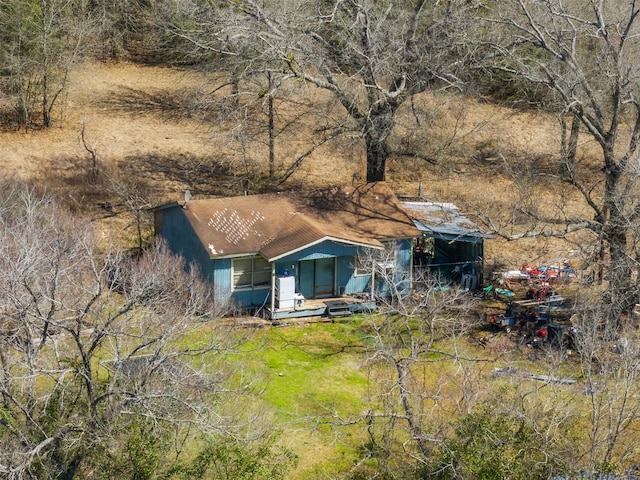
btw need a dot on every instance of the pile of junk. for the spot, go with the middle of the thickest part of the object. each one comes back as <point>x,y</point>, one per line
<point>532,305</point>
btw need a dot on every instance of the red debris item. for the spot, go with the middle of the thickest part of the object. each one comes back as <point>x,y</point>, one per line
<point>531,270</point>
<point>544,293</point>
<point>542,333</point>
<point>539,294</point>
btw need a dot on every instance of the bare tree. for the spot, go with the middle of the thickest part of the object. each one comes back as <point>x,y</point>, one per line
<point>611,368</point>
<point>123,30</point>
<point>272,116</point>
<point>90,149</point>
<point>135,200</point>
<point>264,112</point>
<point>101,353</point>
<point>40,42</point>
<point>419,329</point>
<point>585,54</point>
<point>370,56</point>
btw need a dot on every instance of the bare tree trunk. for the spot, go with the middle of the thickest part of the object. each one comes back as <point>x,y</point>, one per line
<point>377,129</point>
<point>415,427</point>
<point>620,269</point>
<point>615,227</point>
<point>272,133</point>
<point>88,148</point>
<point>376,160</point>
<point>46,120</point>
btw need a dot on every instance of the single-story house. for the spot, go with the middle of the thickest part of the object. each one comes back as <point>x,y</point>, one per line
<point>450,245</point>
<point>292,255</point>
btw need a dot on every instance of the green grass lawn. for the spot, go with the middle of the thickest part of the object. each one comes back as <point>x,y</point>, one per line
<point>313,374</point>
<point>315,363</point>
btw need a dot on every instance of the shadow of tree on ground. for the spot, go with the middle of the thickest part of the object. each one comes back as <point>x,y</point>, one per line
<point>187,104</point>
<point>163,178</point>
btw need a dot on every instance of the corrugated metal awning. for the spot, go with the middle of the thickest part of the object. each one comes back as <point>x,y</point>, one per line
<point>443,220</point>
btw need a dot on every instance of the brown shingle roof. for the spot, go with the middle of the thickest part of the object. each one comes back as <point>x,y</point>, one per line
<point>276,225</point>
<point>303,231</point>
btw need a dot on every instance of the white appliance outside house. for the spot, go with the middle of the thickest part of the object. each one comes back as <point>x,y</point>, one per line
<point>285,292</point>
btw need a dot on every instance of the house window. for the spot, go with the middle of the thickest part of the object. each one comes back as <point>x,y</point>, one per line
<point>251,272</point>
<point>386,267</point>
<point>379,260</point>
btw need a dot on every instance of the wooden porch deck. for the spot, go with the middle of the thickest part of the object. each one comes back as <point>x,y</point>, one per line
<point>330,307</point>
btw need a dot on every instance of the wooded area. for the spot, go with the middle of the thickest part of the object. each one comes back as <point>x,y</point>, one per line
<point>94,340</point>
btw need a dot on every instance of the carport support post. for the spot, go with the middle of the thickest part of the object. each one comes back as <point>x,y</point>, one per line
<point>414,243</point>
<point>373,279</point>
<point>273,287</point>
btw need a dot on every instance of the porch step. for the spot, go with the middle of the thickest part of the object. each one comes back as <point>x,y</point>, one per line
<point>338,308</point>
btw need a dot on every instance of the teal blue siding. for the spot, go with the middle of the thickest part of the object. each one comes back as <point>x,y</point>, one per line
<point>221,278</point>
<point>252,298</point>
<point>402,272</point>
<point>350,283</point>
<point>404,258</point>
<point>346,282</point>
<point>172,225</point>
<point>322,250</point>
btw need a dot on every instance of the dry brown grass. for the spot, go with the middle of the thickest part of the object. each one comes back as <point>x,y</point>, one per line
<point>147,126</point>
